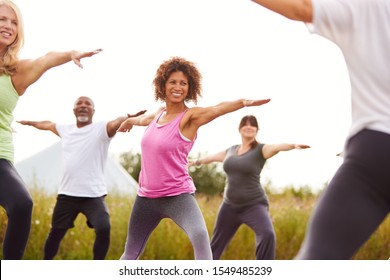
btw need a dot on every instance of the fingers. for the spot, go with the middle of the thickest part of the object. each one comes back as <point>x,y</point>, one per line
<point>97,51</point>
<point>256,102</point>
<point>79,56</point>
<point>125,127</point>
<point>77,62</point>
<point>265,101</point>
<point>137,114</point>
<point>262,101</point>
<point>300,146</point>
<point>92,53</point>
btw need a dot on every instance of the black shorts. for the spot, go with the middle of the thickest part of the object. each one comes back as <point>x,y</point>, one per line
<point>68,207</point>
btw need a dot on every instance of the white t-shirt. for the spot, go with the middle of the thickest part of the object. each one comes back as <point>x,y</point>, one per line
<point>361,28</point>
<point>84,156</point>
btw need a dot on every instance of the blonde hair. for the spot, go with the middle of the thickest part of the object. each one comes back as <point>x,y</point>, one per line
<point>9,59</point>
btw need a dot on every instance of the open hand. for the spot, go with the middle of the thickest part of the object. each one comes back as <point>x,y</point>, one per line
<point>301,146</point>
<point>125,126</point>
<point>76,56</point>
<point>23,122</point>
<point>259,102</point>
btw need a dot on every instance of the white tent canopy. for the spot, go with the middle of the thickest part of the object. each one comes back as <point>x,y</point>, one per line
<point>44,170</point>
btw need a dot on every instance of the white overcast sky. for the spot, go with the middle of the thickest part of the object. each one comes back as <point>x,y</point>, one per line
<point>242,51</point>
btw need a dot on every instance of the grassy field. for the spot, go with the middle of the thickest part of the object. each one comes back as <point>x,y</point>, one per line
<point>289,211</point>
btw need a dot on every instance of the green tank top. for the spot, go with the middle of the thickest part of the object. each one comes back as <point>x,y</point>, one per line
<point>8,100</point>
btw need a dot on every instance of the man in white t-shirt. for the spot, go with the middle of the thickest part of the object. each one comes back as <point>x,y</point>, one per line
<point>357,200</point>
<point>82,189</point>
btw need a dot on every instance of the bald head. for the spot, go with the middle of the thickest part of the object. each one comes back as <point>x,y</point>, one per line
<point>83,109</point>
<point>84,98</point>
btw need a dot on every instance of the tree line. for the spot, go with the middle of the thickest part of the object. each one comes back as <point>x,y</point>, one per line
<point>209,179</point>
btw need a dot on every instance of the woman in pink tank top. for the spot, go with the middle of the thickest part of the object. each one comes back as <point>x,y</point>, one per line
<point>166,189</point>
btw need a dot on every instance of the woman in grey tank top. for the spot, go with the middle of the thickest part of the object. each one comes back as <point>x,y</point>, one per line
<point>245,201</point>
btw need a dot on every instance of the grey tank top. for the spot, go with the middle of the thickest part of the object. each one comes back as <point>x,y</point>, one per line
<point>243,187</point>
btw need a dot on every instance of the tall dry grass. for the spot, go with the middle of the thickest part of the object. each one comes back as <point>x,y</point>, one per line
<point>289,212</point>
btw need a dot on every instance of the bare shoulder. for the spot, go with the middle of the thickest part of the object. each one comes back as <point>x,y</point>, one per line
<point>23,64</point>
<point>268,150</point>
<point>190,114</point>
<point>20,77</point>
<point>159,110</point>
<point>149,117</point>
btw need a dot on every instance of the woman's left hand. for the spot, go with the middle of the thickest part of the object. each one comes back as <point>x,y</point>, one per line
<point>301,146</point>
<point>248,103</point>
<point>76,56</point>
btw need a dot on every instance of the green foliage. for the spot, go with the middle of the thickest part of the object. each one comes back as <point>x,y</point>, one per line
<point>290,210</point>
<point>208,179</point>
<point>289,213</point>
<point>132,163</point>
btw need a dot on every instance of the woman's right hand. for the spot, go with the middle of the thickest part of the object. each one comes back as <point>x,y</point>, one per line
<point>191,163</point>
<point>125,126</point>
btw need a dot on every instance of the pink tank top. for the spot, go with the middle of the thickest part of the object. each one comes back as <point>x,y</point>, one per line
<point>164,165</point>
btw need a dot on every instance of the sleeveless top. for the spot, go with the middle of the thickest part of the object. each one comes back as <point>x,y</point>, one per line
<point>8,100</point>
<point>243,187</point>
<point>164,165</point>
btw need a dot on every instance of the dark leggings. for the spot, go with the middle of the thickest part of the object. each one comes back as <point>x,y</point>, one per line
<point>256,217</point>
<point>52,243</point>
<point>355,203</point>
<point>65,212</point>
<point>17,202</point>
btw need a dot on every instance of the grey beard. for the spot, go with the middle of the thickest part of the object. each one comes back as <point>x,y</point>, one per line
<point>83,119</point>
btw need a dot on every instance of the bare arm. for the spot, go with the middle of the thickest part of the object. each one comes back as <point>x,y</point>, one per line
<point>269,150</point>
<point>199,116</point>
<point>42,125</point>
<point>218,157</point>
<point>30,70</point>
<point>113,125</point>
<point>143,120</point>
<point>301,10</point>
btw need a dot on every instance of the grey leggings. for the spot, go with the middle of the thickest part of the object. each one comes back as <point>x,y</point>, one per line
<point>18,204</point>
<point>256,217</point>
<point>355,203</point>
<point>182,209</point>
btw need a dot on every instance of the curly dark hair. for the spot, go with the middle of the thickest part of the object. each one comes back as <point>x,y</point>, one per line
<point>189,70</point>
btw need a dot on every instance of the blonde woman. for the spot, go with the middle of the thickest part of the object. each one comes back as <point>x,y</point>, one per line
<point>15,78</point>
